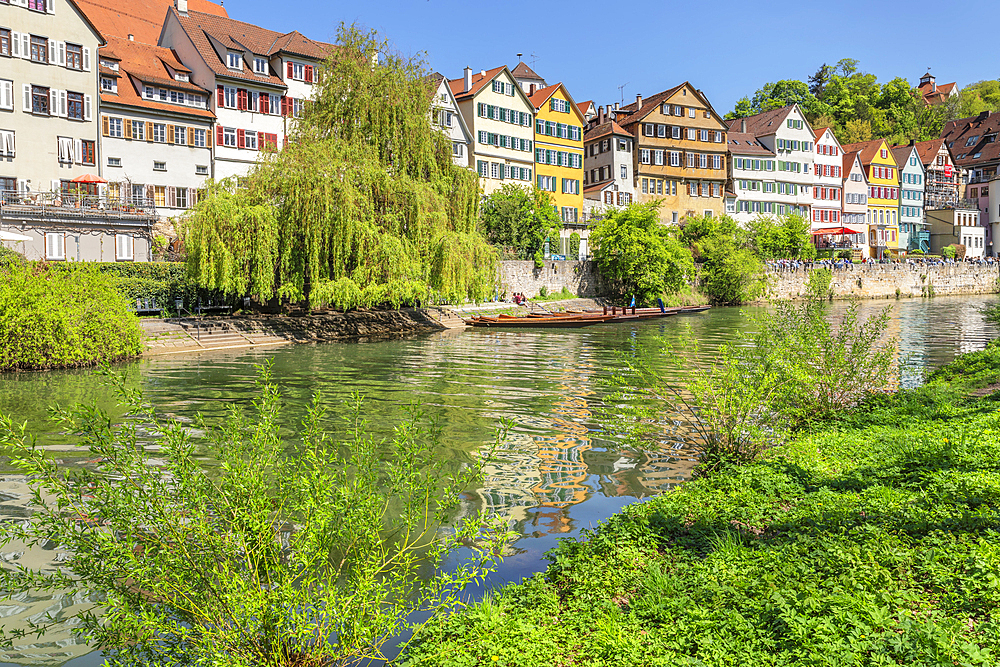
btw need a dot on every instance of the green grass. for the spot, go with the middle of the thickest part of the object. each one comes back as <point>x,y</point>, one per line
<point>872,540</point>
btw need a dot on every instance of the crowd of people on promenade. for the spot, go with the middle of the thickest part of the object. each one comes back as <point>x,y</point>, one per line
<point>783,265</point>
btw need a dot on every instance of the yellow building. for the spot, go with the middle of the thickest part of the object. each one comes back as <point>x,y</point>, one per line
<point>883,196</point>
<point>559,150</point>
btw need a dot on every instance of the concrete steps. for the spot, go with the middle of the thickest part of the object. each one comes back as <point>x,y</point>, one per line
<point>166,336</point>
<point>446,318</point>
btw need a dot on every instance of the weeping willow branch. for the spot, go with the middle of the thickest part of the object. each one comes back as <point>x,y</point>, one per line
<point>362,206</point>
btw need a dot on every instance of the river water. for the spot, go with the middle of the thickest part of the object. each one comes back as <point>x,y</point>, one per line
<point>560,471</point>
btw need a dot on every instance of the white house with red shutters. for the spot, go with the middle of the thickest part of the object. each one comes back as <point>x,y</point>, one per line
<point>261,80</point>
<point>828,180</point>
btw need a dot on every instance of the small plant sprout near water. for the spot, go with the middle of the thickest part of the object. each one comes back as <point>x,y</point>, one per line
<point>282,551</point>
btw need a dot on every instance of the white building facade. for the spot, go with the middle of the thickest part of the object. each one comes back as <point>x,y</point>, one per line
<point>855,193</point>
<point>447,117</point>
<point>500,118</point>
<point>48,95</point>
<point>752,180</point>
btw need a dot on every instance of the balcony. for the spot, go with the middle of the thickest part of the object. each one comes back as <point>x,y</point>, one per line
<point>89,210</point>
<point>981,178</point>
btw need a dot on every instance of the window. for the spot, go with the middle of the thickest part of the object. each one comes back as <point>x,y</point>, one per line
<point>87,152</point>
<point>138,129</point>
<point>74,56</point>
<point>74,109</point>
<point>159,166</point>
<point>4,42</point>
<point>298,71</point>
<point>159,133</point>
<point>39,49</point>
<point>230,97</point>
<point>55,246</point>
<point>199,139</point>
<point>229,137</point>
<point>114,162</point>
<point>260,66</point>
<point>40,100</point>
<point>180,135</point>
<point>124,247</point>
<point>181,198</point>
<point>250,140</point>
<point>298,106</point>
<point>624,172</point>
<point>234,60</point>
<point>201,169</point>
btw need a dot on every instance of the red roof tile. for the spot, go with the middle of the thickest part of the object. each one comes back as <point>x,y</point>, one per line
<point>479,80</point>
<point>866,150</point>
<point>522,71</point>
<point>141,18</point>
<point>745,144</point>
<point>608,127</point>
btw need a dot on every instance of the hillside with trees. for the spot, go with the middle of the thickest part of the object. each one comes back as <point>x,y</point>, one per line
<point>858,107</point>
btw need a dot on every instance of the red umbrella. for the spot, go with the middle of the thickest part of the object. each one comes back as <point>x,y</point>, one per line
<point>88,178</point>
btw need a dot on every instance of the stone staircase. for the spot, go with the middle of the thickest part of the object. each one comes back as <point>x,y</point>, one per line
<point>445,317</point>
<point>189,334</point>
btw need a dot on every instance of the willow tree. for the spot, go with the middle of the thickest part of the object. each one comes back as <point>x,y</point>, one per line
<point>363,204</point>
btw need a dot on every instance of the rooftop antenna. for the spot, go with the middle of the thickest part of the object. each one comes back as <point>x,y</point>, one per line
<point>533,59</point>
<point>621,91</point>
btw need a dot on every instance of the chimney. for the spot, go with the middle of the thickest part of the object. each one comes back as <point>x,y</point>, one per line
<point>131,37</point>
<point>468,80</point>
<point>743,125</point>
<point>531,88</point>
<point>600,111</point>
<point>182,7</point>
<point>616,106</point>
<point>638,101</point>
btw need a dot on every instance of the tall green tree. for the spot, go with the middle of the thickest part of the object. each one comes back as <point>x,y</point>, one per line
<point>362,200</point>
<point>729,270</point>
<point>638,256</point>
<point>518,221</point>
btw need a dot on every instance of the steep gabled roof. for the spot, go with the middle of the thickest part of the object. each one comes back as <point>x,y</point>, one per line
<point>542,96</point>
<point>632,113</point>
<point>850,158</point>
<point>768,122</point>
<point>746,144</point>
<point>586,107</point>
<point>959,133</point>
<point>928,150</point>
<point>604,129</point>
<point>866,150</point>
<point>901,154</point>
<point>146,63</point>
<point>478,82</point>
<point>143,19</point>
<point>522,71</point>
<point>203,29</point>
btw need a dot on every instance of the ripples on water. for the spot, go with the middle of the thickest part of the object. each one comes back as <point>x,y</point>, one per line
<point>558,472</point>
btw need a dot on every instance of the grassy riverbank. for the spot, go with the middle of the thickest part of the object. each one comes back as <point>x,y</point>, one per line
<point>870,540</point>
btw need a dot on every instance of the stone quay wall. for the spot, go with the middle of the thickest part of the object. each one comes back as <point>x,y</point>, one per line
<point>881,281</point>
<point>579,277</point>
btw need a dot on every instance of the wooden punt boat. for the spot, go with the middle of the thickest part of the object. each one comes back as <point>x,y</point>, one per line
<point>510,322</point>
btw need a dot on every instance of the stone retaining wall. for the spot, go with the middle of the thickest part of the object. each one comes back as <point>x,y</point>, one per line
<point>880,281</point>
<point>579,277</point>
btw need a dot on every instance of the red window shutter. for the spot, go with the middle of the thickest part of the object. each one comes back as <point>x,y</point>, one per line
<point>290,70</point>
<point>309,73</point>
<point>241,99</point>
<point>219,141</point>
<point>260,140</point>
<point>273,140</point>
<point>284,105</point>
<point>265,103</point>
<point>240,139</point>
<point>221,94</point>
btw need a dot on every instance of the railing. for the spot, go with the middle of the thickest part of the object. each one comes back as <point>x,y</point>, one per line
<point>981,178</point>
<point>65,202</point>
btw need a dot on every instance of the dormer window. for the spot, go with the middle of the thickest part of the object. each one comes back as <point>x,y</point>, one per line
<point>110,64</point>
<point>181,77</point>
<point>260,66</point>
<point>971,141</point>
<point>147,92</point>
<point>235,60</point>
<point>109,85</point>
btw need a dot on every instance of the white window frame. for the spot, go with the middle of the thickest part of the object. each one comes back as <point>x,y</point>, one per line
<point>55,246</point>
<point>124,248</point>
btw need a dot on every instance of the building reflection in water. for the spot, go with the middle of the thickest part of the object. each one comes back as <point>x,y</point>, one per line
<point>59,644</point>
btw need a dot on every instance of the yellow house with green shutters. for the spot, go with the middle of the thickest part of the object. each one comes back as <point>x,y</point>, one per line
<point>883,196</point>
<point>559,150</point>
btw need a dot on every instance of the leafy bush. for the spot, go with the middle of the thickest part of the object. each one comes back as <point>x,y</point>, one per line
<point>787,237</point>
<point>10,257</point>
<point>818,283</point>
<point>873,543</point>
<point>948,252</point>
<point>519,220</point>
<point>729,270</point>
<point>281,553</point>
<point>159,282</point>
<point>638,256</point>
<point>65,316</point>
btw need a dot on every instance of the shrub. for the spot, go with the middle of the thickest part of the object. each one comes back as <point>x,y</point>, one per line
<point>520,220</point>
<point>730,272</point>
<point>280,553</point>
<point>64,316</point>
<point>818,283</point>
<point>10,257</point>
<point>948,252</point>
<point>638,256</point>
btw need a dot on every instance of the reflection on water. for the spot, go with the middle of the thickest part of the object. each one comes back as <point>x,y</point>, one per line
<point>559,471</point>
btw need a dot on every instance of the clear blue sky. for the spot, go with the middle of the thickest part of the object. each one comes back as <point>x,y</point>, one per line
<point>727,49</point>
